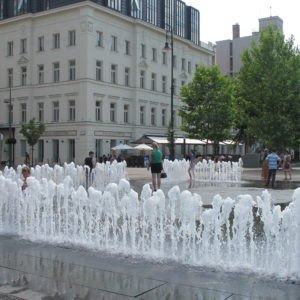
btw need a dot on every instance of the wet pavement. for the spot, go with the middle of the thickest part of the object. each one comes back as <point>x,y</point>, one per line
<point>35,271</point>
<point>38,271</point>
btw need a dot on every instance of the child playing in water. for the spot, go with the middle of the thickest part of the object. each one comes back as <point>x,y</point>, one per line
<point>25,173</point>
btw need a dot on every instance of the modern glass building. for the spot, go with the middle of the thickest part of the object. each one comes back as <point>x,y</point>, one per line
<point>167,14</point>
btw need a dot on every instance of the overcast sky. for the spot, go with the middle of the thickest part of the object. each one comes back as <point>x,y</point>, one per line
<point>218,16</point>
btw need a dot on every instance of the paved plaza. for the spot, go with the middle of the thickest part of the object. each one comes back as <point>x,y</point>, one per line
<point>42,271</point>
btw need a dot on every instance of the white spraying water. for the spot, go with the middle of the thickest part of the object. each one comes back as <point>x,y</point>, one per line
<point>243,234</point>
<point>204,171</point>
<point>99,177</point>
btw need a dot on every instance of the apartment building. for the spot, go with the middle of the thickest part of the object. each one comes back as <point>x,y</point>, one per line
<point>94,72</point>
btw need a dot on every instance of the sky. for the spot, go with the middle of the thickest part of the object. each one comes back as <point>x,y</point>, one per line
<point>218,16</point>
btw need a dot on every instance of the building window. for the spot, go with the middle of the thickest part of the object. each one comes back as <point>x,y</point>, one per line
<point>40,150</point>
<point>114,43</point>
<point>164,61</point>
<point>72,69</point>
<point>142,115</point>
<point>174,85</point>
<point>164,84</point>
<point>23,113</point>
<point>55,149</point>
<point>98,111</point>
<point>40,74</point>
<point>56,72</point>
<point>153,115</point>
<point>41,44</point>
<point>56,40</point>
<point>182,82</point>
<point>127,47</point>
<point>55,111</point>
<point>143,51</point>
<point>113,74</point>
<point>154,54</point>
<point>153,82</point>
<point>113,112</point>
<point>189,67</point>
<point>183,64</point>
<point>174,61</point>
<point>10,77</point>
<point>151,11</point>
<point>99,39</point>
<point>40,112</point>
<point>71,149</point>
<point>10,48</point>
<point>127,78</point>
<point>71,110</point>
<point>99,70</point>
<point>23,46</point>
<point>163,117</point>
<point>114,4</point>
<point>72,38</point>
<point>142,79</point>
<point>23,76</point>
<point>126,113</point>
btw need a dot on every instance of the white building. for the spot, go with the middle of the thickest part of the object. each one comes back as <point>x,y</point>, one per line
<point>94,76</point>
<point>228,52</point>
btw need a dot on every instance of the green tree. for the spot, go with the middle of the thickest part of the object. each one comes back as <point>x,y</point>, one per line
<point>268,106</point>
<point>207,111</point>
<point>32,131</point>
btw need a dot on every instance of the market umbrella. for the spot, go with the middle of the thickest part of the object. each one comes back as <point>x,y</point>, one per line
<point>142,147</point>
<point>122,147</point>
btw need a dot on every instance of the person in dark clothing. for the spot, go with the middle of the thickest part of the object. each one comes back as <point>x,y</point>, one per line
<point>89,161</point>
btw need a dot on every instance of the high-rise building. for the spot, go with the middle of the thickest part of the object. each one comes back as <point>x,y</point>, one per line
<point>94,72</point>
<point>228,52</point>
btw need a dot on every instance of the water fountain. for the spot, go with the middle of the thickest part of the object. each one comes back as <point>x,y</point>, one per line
<point>205,170</point>
<point>242,234</point>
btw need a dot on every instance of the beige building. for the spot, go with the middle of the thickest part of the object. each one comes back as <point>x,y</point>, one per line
<point>228,52</point>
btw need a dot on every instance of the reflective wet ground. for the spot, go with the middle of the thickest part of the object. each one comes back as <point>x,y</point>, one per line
<point>34,271</point>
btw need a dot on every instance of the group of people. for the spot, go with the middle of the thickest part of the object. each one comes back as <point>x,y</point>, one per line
<point>270,164</point>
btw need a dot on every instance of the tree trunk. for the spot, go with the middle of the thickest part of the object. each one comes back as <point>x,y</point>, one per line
<point>31,156</point>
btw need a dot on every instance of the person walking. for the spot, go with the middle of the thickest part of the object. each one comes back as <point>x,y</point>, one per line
<point>264,164</point>
<point>192,158</point>
<point>155,159</point>
<point>273,159</point>
<point>90,162</point>
<point>287,165</point>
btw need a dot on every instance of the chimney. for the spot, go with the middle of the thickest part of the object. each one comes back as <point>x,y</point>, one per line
<point>235,31</point>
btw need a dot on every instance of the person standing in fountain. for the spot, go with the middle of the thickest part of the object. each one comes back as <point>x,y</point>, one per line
<point>155,159</point>
<point>192,158</point>
<point>273,160</point>
<point>25,173</point>
<point>89,161</point>
<point>287,165</point>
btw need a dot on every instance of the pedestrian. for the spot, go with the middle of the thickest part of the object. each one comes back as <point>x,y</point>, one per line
<point>192,158</point>
<point>25,173</point>
<point>90,162</point>
<point>264,164</point>
<point>273,160</point>
<point>155,159</point>
<point>27,159</point>
<point>287,164</point>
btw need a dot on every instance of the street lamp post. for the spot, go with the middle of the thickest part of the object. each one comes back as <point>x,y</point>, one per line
<point>171,47</point>
<point>10,135</point>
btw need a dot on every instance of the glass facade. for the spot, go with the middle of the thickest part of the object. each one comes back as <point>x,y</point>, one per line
<point>151,8</point>
<point>167,14</point>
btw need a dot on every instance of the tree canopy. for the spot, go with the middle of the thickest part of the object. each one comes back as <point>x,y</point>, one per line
<point>268,91</point>
<point>207,111</point>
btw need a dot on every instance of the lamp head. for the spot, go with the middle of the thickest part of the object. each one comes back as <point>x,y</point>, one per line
<point>167,47</point>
